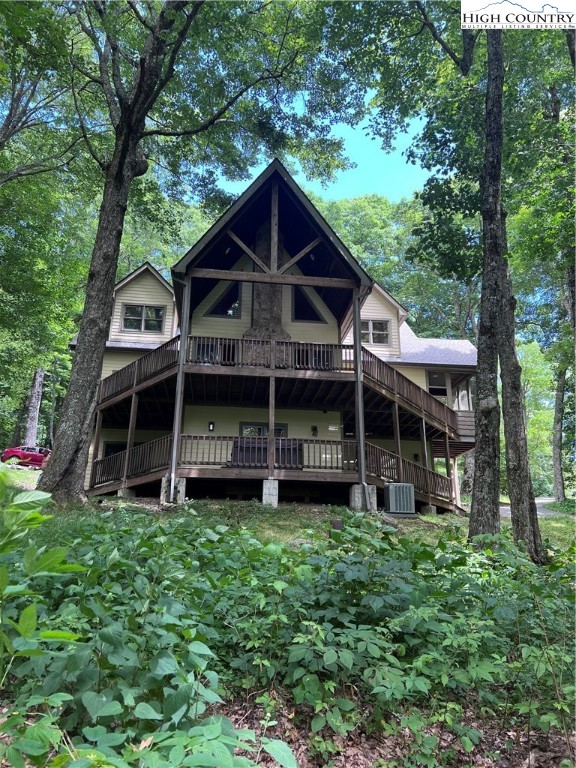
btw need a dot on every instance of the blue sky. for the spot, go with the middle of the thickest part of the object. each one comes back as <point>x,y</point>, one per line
<point>376,172</point>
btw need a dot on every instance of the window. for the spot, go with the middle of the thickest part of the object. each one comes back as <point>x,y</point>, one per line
<point>374,331</point>
<point>228,305</point>
<point>437,384</point>
<point>302,308</point>
<point>260,429</point>
<point>138,317</point>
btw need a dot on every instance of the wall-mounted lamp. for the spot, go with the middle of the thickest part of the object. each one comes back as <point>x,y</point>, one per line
<point>314,430</point>
<point>416,457</point>
<point>211,426</point>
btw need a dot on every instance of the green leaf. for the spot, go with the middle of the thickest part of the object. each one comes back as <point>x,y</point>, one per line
<point>330,656</point>
<point>347,658</point>
<point>99,706</point>
<point>200,648</point>
<point>318,723</point>
<point>202,760</point>
<point>467,743</point>
<point>28,620</point>
<point>14,758</point>
<point>57,634</point>
<point>144,711</point>
<point>281,752</point>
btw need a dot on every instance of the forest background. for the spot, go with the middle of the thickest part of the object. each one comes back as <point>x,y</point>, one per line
<point>424,249</point>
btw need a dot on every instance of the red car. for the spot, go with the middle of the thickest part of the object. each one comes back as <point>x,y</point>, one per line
<point>29,457</point>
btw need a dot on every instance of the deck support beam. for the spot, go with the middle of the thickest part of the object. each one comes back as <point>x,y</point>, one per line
<point>271,426</point>
<point>397,443</point>
<point>359,405</point>
<point>131,430</point>
<point>448,464</point>
<point>179,399</point>
<point>424,444</point>
<point>96,449</point>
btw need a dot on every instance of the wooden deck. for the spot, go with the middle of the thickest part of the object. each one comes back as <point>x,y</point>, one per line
<point>247,457</point>
<point>253,357</point>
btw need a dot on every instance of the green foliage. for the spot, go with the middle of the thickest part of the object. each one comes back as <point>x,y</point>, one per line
<point>173,614</point>
<point>126,678</point>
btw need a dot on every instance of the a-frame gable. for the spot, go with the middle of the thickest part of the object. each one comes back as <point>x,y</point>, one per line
<point>286,240</point>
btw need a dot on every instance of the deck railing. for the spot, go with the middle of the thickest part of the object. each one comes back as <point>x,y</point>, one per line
<point>394,468</point>
<point>158,360</point>
<point>252,453</point>
<point>108,470</point>
<point>291,355</point>
<point>143,458</point>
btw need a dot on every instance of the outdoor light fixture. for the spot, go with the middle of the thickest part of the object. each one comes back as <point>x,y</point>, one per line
<point>416,457</point>
<point>314,430</point>
<point>210,426</point>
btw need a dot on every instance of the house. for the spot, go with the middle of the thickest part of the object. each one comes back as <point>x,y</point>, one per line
<point>293,376</point>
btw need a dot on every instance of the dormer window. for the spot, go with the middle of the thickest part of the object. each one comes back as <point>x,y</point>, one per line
<point>143,318</point>
<point>374,331</point>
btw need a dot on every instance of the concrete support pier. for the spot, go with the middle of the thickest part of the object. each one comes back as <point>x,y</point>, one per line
<point>270,492</point>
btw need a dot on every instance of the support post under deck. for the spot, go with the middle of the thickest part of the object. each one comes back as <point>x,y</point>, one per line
<point>359,405</point>
<point>179,400</point>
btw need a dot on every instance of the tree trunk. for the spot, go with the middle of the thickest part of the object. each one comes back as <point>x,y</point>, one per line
<point>33,412</point>
<point>64,475</point>
<point>485,512</point>
<point>522,504</point>
<point>559,489</point>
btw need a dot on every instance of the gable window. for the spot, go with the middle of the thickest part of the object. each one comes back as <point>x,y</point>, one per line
<point>140,317</point>
<point>303,310</point>
<point>228,305</point>
<point>375,331</point>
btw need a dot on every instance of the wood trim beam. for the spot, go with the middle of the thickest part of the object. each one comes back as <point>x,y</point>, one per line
<point>271,425</point>
<point>274,219</point>
<point>259,277</point>
<point>131,431</point>
<point>179,397</point>
<point>299,255</point>
<point>248,251</point>
<point>359,394</point>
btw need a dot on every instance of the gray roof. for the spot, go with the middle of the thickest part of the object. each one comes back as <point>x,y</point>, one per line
<point>455,353</point>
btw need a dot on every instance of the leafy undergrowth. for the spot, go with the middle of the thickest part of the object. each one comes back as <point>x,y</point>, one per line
<point>169,642</point>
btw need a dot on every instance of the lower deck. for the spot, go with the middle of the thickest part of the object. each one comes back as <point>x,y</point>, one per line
<point>229,466</point>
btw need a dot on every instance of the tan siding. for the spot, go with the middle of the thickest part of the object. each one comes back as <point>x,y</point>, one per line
<point>144,289</point>
<point>115,359</point>
<point>417,375</point>
<point>227,421</point>
<point>377,307</point>
<point>322,333</point>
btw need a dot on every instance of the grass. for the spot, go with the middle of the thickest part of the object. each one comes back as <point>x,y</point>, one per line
<point>566,507</point>
<point>289,523</point>
<point>22,477</point>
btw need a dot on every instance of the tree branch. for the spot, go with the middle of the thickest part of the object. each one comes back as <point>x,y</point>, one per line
<point>220,112</point>
<point>463,63</point>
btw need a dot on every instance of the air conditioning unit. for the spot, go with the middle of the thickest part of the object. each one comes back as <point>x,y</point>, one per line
<point>399,498</point>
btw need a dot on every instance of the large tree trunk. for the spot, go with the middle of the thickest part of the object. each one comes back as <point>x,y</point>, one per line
<point>33,414</point>
<point>485,512</point>
<point>559,488</point>
<point>64,475</point>
<point>522,504</point>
